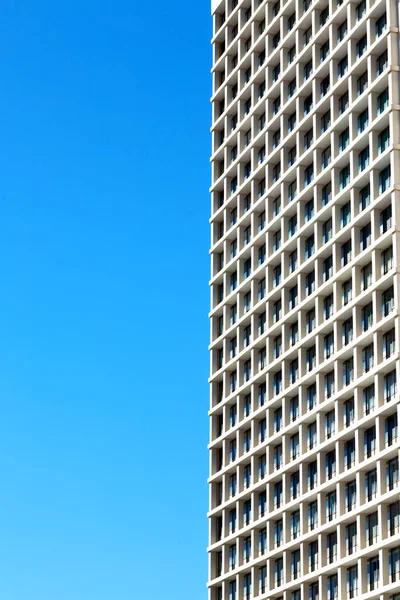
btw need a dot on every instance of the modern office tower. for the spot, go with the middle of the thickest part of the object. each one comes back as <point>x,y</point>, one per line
<point>305,283</point>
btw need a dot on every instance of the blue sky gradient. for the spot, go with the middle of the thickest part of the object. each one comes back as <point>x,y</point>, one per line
<point>104,268</point>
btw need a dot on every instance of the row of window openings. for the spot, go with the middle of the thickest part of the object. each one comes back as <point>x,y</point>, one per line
<point>342,31</point>
<point>391,434</point>
<point>352,578</point>
<point>389,381</point>
<point>383,142</point>
<point>372,522</point>
<point>343,100</point>
<point>360,11</point>
<point>331,541</point>
<point>351,499</point>
<point>384,180</point>
<point>367,318</point>
<point>364,196</point>
<point>368,353</point>
<point>309,245</point>
<point>367,363</point>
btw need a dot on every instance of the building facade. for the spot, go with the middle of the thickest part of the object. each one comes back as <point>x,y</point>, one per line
<point>305,250</point>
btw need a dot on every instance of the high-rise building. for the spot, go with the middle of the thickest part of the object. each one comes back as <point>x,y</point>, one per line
<point>305,284</point>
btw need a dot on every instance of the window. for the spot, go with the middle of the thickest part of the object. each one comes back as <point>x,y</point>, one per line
<point>351,538</point>
<point>345,253</point>
<point>246,549</point>
<point>232,590</point>
<point>393,516</point>
<point>312,556</point>
<point>307,70</point>
<point>324,51</point>
<point>347,290</point>
<point>367,316</point>
<point>262,580</point>
<point>309,247</point>
<point>292,226</point>
<point>261,221</point>
<point>313,591</point>
<point>373,573</point>
<point>310,283</point>
<point>311,435</point>
<point>345,215</point>
<point>369,399</point>
<point>392,473</point>
<point>311,361</point>
<point>325,121</point>
<point>394,564</point>
<point>388,343</point>
<point>349,453</point>
<point>293,370</point>
<point>362,121</point>
<point>361,46</point>
<point>276,105</point>
<point>277,382</point>
<point>294,485</point>
<point>328,306</point>
<point>348,371</point>
<point>383,140</point>
<point>310,320</point>
<point>367,358</point>
<point>364,197</point>
<point>348,412</point>
<point>262,541</point>
<point>332,586</point>
<point>344,177</point>
<point>370,485</point>
<point>292,190</point>
<point>325,157</point>
<point>330,506</point>
<point>308,139</point>
<point>347,331</point>
<point>312,475</point>
<point>369,441</point>
<point>363,159</point>
<point>278,572</point>
<point>382,101</point>
<point>331,547</point>
<point>381,63</point>
<point>352,582</point>
<point>343,103</point>
<point>387,301</point>
<point>312,515</point>
<point>391,427</point>
<point>292,261</point>
<point>350,495</point>
<point>380,25</point>
<point>342,31</point>
<point>291,21</point>
<point>308,175</point>
<point>324,16</point>
<point>324,87</point>
<point>276,242</point>
<point>278,494</point>
<point>291,122</point>
<point>385,219</point>
<point>308,104</point>
<point>295,524</point>
<point>343,140</point>
<point>361,10</point>
<point>311,396</point>
<point>365,237</point>
<point>326,194</point>
<point>307,36</point>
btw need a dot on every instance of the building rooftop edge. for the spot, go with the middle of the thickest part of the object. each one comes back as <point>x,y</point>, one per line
<point>215,4</point>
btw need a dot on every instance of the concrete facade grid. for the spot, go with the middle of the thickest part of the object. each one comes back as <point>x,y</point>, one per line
<point>305,292</point>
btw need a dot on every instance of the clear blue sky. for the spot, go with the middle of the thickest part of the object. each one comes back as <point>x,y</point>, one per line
<point>104,205</point>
